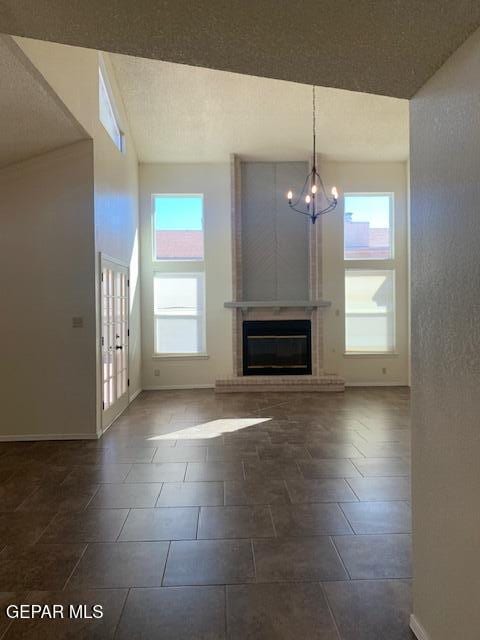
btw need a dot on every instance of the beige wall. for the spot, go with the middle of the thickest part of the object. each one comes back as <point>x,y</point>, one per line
<point>364,177</point>
<point>445,240</point>
<point>47,373</point>
<point>73,74</point>
<point>213,181</point>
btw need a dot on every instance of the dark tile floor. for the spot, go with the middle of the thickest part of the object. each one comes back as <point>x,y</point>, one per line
<point>252,517</point>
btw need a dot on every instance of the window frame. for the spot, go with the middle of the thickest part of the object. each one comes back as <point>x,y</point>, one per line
<point>200,317</point>
<point>153,229</point>
<point>372,264</point>
<point>179,268</point>
<point>391,197</point>
<point>388,314</point>
<point>104,80</point>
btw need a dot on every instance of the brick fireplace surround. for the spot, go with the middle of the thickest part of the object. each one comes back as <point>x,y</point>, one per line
<point>312,310</point>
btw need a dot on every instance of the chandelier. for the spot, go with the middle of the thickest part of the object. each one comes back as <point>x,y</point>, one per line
<point>313,201</point>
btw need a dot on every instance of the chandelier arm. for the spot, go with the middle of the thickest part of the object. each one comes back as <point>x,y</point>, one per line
<point>322,185</point>
<point>305,184</point>
<point>330,207</point>
<point>304,213</point>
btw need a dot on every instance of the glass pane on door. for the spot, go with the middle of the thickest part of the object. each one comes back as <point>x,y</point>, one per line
<point>114,339</point>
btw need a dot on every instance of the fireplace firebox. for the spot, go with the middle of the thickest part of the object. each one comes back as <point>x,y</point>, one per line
<point>277,347</point>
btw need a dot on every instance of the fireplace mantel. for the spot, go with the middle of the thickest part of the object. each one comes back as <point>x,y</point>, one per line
<point>308,305</point>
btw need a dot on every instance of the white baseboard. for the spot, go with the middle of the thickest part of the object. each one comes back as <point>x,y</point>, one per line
<point>173,387</point>
<point>375,384</point>
<point>417,629</point>
<point>29,437</point>
<point>134,395</point>
<point>131,398</point>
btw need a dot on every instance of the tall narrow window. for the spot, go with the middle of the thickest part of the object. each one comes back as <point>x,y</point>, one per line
<point>178,228</point>
<point>369,311</point>
<point>106,110</point>
<point>178,308</point>
<point>179,282</point>
<point>368,227</point>
<point>369,273</point>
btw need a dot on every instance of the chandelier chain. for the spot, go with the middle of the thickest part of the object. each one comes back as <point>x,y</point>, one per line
<point>314,125</point>
<point>313,201</point>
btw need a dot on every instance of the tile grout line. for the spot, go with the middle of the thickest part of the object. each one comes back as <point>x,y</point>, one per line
<point>156,505</point>
<point>225,609</point>
<point>340,557</point>
<point>123,525</point>
<point>115,630</point>
<point>253,559</point>
<point>275,535</point>
<point>287,490</point>
<point>198,522</point>
<point>165,565</point>
<point>92,497</point>
<point>339,504</point>
<point>352,489</point>
<point>335,623</point>
<point>64,588</point>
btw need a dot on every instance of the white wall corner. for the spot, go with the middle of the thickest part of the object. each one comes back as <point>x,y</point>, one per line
<point>417,629</point>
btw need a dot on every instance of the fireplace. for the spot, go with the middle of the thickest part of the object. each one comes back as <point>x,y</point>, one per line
<point>277,347</point>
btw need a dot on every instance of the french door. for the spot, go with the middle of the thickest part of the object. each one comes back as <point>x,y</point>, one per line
<point>114,340</point>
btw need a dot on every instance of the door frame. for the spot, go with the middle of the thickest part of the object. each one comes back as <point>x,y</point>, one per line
<point>105,261</point>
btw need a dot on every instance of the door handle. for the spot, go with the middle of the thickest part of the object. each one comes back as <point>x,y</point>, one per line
<point>117,347</point>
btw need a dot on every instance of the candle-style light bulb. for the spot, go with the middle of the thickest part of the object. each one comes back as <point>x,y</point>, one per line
<point>314,188</point>
<point>289,197</point>
<point>335,193</point>
<point>307,200</point>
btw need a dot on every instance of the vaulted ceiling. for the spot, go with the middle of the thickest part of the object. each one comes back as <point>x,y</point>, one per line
<point>33,119</point>
<point>388,47</point>
<point>180,113</point>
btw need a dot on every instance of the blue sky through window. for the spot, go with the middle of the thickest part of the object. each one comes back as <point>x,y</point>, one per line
<point>372,209</point>
<point>178,213</point>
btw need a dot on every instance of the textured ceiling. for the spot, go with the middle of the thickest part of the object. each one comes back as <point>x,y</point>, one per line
<point>179,113</point>
<point>33,119</point>
<point>389,47</point>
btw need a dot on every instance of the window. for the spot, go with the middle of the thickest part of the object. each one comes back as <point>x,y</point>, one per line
<point>178,301</point>
<point>178,228</point>
<point>179,279</point>
<point>369,311</point>
<point>368,226</point>
<point>106,110</point>
<point>369,273</point>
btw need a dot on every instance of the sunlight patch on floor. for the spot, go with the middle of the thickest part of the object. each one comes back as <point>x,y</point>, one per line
<point>211,429</point>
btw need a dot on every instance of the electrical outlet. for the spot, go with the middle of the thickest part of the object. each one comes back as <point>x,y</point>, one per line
<point>384,370</point>
<point>156,372</point>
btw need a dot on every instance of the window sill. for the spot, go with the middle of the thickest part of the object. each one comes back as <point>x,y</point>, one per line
<point>371,354</point>
<point>181,356</point>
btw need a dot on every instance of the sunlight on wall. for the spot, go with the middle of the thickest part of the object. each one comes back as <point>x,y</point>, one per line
<point>134,270</point>
<point>211,429</point>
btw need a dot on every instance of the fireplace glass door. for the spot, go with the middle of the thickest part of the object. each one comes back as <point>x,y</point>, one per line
<point>278,347</point>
